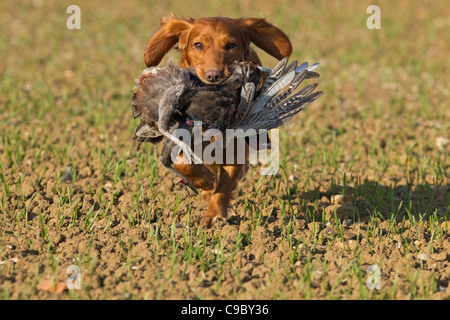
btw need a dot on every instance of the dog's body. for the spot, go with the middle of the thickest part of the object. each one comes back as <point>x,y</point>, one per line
<point>211,46</point>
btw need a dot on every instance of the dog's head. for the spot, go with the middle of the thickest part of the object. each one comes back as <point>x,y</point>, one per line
<point>212,45</point>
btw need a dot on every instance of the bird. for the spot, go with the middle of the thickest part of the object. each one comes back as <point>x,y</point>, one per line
<point>170,98</point>
<point>253,97</point>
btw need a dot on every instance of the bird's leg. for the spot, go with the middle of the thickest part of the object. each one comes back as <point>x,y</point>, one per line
<point>184,181</point>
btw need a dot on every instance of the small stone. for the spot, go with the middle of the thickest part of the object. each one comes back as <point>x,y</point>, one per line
<point>15,260</point>
<point>108,186</point>
<point>347,222</point>
<point>337,199</point>
<point>341,199</point>
<point>342,212</point>
<point>67,175</point>
<point>10,246</point>
<point>441,142</point>
<point>423,256</point>
<point>349,236</point>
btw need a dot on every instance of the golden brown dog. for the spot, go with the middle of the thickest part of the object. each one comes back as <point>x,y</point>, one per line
<point>211,45</point>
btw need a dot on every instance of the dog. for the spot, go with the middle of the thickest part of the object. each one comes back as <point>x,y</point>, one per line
<point>211,45</point>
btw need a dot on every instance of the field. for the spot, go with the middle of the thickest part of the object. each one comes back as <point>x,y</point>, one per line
<point>359,208</point>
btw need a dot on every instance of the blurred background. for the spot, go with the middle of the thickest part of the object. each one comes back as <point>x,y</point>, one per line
<point>386,91</point>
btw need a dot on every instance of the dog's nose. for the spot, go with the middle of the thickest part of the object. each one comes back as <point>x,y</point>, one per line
<point>213,75</point>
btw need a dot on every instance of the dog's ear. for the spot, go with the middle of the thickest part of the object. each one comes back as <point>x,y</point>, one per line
<point>267,37</point>
<point>167,36</point>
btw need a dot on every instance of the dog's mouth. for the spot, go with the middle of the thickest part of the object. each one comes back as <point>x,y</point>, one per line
<point>213,83</point>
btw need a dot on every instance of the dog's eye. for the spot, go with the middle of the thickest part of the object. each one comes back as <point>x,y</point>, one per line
<point>198,45</point>
<point>230,46</point>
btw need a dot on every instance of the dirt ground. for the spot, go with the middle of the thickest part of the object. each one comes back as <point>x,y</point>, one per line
<point>362,192</point>
<point>262,264</point>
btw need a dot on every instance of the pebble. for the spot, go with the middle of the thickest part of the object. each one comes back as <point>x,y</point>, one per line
<point>341,199</point>
<point>423,256</point>
<point>347,222</point>
<point>342,212</point>
<point>108,186</point>
<point>15,259</point>
<point>217,251</point>
<point>349,236</point>
<point>337,199</point>
<point>67,175</point>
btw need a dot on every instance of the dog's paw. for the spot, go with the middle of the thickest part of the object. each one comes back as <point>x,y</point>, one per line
<point>208,220</point>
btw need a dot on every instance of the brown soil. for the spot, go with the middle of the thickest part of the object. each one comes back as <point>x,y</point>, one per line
<point>122,261</point>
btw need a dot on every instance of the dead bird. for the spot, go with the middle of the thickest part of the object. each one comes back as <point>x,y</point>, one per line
<point>171,98</point>
<point>253,97</point>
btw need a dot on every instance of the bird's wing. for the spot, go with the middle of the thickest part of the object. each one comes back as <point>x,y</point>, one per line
<point>276,103</point>
<point>277,79</point>
<point>278,100</point>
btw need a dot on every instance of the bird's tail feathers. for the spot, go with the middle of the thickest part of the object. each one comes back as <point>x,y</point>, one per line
<point>279,99</point>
